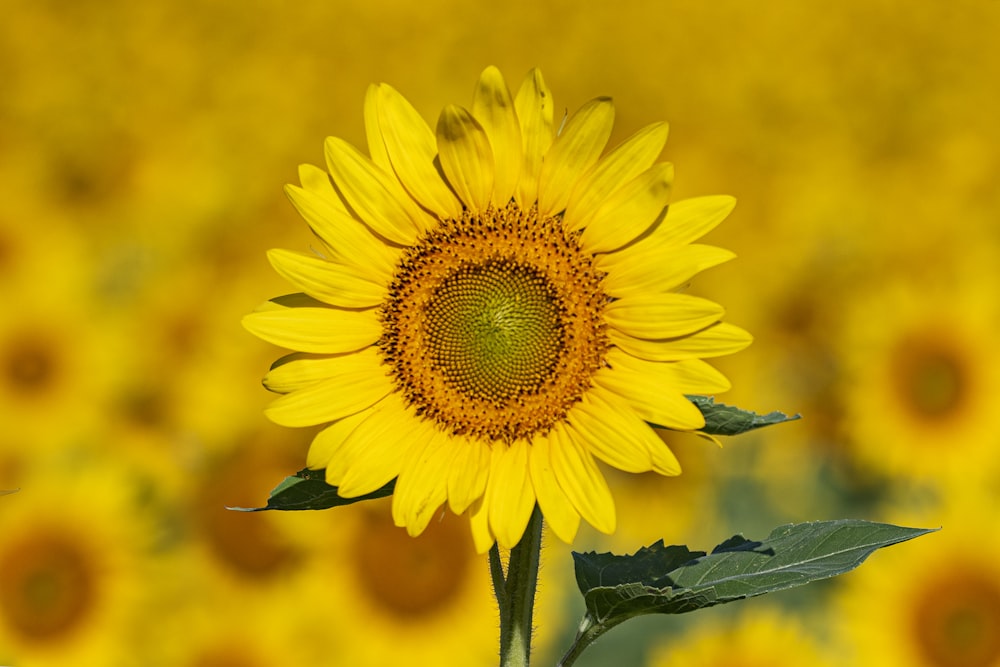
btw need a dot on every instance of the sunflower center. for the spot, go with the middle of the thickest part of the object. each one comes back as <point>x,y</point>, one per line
<point>494,329</point>
<point>955,622</point>
<point>30,365</point>
<point>930,378</point>
<point>494,324</point>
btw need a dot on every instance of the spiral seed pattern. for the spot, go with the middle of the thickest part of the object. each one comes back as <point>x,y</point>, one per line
<point>494,329</point>
<point>494,324</point>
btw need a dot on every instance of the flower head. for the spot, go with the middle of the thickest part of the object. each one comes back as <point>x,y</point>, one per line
<point>494,305</point>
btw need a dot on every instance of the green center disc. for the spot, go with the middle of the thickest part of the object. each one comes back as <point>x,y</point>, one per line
<point>494,329</point>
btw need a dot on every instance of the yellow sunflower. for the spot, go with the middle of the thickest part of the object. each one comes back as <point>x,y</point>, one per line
<point>72,550</point>
<point>430,594</point>
<point>492,306</point>
<point>920,373</point>
<point>762,637</point>
<point>939,607</point>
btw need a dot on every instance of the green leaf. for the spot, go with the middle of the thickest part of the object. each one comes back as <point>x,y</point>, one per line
<point>722,419</point>
<point>652,580</point>
<point>308,490</point>
<point>674,580</point>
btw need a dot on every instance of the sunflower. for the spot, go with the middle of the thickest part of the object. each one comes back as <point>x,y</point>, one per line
<point>763,637</point>
<point>936,608</point>
<point>493,306</point>
<point>429,593</point>
<point>919,375</point>
<point>71,565</point>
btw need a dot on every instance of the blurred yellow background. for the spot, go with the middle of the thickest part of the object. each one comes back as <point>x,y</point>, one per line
<point>143,147</point>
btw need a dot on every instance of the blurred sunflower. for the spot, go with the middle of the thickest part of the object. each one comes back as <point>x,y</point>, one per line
<point>70,567</point>
<point>919,377</point>
<point>58,369</point>
<point>195,634</point>
<point>493,305</point>
<point>430,594</point>
<point>764,637</point>
<point>262,554</point>
<point>936,608</point>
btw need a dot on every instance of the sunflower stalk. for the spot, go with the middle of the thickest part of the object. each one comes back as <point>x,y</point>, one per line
<point>515,593</point>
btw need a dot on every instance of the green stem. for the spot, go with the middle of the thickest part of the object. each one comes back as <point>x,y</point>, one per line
<point>519,594</point>
<point>499,586</point>
<point>586,634</point>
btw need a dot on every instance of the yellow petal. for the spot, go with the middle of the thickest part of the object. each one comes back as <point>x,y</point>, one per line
<point>332,282</point>
<point>651,390</point>
<point>341,395</point>
<point>533,104</point>
<point>289,301</point>
<point>479,522</point>
<point>422,486</point>
<point>509,493</point>
<point>469,472</point>
<point>622,421</point>
<point>690,219</point>
<point>323,330</point>
<point>327,442</point>
<point>661,315</point>
<point>300,370</point>
<point>373,133</point>
<point>581,480</point>
<point>714,341</point>
<point>694,376</point>
<point>690,376</point>
<point>343,457</point>
<point>493,107</point>
<point>594,423</point>
<point>317,181</point>
<point>629,211</point>
<point>556,507</point>
<point>573,152</point>
<point>377,447</point>
<point>375,196</point>
<point>642,268</point>
<point>466,156</point>
<point>629,159</point>
<point>413,152</point>
<point>351,240</point>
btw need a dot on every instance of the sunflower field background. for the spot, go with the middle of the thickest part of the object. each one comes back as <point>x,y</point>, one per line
<point>143,147</point>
